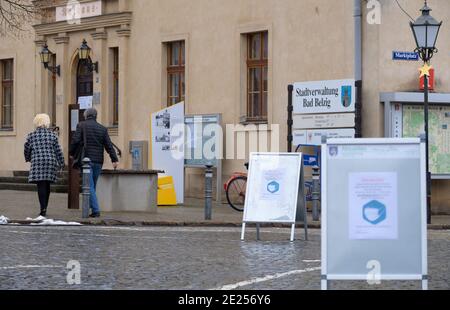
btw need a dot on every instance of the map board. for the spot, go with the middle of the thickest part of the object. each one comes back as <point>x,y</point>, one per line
<point>275,189</point>
<point>374,210</point>
<point>439,132</point>
<point>404,118</point>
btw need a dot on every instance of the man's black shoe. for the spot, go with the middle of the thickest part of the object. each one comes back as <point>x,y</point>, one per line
<point>94,215</point>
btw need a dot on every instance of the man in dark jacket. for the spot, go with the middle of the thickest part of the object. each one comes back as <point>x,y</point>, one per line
<point>97,140</point>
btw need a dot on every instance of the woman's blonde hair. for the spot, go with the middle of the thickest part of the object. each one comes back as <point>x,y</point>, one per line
<point>41,120</point>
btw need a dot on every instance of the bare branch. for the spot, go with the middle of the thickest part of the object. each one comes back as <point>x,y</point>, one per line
<point>17,15</point>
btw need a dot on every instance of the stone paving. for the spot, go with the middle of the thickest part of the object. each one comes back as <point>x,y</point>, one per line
<point>20,205</point>
<point>180,258</point>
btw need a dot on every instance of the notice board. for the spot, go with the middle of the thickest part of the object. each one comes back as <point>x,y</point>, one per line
<point>275,192</point>
<point>374,209</point>
<point>167,153</point>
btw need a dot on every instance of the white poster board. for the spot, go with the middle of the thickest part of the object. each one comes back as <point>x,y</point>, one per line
<point>165,154</point>
<point>374,210</point>
<point>274,191</point>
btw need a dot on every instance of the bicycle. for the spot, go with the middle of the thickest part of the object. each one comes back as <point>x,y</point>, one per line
<point>235,189</point>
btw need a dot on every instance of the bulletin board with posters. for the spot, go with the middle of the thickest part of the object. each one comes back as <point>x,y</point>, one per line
<point>167,153</point>
<point>203,145</point>
<point>374,210</point>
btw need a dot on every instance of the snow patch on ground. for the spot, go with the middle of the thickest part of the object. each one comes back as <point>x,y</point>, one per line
<point>39,221</point>
<point>3,220</point>
<point>42,221</point>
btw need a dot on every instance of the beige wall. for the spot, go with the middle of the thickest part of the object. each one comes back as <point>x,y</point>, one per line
<point>309,40</point>
<point>11,142</point>
<point>213,29</point>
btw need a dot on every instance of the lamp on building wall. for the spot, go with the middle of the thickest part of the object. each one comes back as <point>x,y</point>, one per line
<point>45,59</point>
<point>426,31</point>
<point>84,54</point>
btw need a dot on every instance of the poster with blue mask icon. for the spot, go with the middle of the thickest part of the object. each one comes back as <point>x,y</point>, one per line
<point>373,206</point>
<point>273,187</point>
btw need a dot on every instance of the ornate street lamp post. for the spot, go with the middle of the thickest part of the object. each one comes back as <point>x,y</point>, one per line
<point>426,31</point>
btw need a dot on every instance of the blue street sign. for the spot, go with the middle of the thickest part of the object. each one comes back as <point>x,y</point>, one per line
<point>309,160</point>
<point>412,56</point>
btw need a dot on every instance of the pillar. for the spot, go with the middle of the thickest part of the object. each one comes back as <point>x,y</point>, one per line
<point>39,96</point>
<point>63,94</point>
<point>100,54</point>
<point>124,34</point>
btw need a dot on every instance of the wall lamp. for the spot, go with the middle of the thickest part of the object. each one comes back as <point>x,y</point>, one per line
<point>84,55</point>
<point>45,59</point>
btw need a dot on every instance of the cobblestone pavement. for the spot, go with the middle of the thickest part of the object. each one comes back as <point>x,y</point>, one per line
<point>179,258</point>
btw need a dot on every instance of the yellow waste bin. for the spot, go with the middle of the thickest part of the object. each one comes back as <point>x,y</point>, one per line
<point>166,191</point>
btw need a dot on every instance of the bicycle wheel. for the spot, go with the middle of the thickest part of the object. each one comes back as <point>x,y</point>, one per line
<point>236,193</point>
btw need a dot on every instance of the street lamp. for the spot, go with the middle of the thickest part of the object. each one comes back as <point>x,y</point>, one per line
<point>426,30</point>
<point>45,59</point>
<point>84,54</point>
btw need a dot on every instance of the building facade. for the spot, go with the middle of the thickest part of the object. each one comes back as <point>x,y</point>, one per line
<point>233,57</point>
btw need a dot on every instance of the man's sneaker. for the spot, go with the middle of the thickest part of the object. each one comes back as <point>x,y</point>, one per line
<point>94,215</point>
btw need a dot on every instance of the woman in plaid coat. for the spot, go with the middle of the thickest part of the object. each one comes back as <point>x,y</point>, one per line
<point>43,151</point>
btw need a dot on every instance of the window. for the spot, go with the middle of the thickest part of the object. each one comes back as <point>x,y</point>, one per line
<point>175,72</point>
<point>115,97</point>
<point>7,95</point>
<point>257,76</point>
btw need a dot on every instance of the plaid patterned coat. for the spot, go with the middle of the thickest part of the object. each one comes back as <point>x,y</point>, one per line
<point>42,149</point>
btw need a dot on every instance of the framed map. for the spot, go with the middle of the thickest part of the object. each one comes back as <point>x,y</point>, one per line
<point>439,133</point>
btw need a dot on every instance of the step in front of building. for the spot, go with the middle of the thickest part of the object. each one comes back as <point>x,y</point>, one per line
<point>31,187</point>
<point>19,182</point>
<point>60,175</point>
<point>24,180</point>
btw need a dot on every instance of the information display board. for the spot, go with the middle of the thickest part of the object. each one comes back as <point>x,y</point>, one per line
<point>203,145</point>
<point>203,140</point>
<point>404,118</point>
<point>275,192</point>
<point>374,210</point>
<point>323,109</point>
<point>164,145</point>
<point>439,130</point>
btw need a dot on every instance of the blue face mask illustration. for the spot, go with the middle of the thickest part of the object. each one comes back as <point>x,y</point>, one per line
<point>374,212</point>
<point>273,187</point>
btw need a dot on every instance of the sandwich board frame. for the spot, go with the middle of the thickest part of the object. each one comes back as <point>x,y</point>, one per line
<point>419,263</point>
<point>297,206</point>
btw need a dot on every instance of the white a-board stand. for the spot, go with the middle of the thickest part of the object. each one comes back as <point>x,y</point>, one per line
<point>275,191</point>
<point>374,211</point>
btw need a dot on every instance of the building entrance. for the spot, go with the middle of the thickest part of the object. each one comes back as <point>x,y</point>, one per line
<point>85,87</point>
